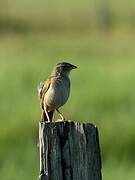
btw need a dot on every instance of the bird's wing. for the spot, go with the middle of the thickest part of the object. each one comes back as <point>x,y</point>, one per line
<point>46,86</point>
<point>42,89</point>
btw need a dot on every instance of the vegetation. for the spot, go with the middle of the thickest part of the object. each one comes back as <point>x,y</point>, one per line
<point>102,86</point>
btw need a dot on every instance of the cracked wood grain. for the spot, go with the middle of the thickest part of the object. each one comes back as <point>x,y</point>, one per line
<point>69,151</point>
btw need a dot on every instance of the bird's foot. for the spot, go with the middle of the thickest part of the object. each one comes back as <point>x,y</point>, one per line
<point>61,115</point>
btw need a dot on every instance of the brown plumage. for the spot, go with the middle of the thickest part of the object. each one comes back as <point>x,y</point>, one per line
<point>54,92</point>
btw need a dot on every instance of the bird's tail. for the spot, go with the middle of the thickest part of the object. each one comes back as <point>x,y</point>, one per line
<point>44,117</point>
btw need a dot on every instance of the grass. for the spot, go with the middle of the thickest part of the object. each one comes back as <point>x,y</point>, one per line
<point>118,170</point>
<point>74,16</point>
<point>102,92</point>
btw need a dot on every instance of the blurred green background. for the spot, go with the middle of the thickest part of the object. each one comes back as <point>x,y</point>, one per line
<point>97,36</point>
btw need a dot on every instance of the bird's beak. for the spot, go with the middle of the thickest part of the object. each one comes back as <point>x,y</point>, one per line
<point>74,67</point>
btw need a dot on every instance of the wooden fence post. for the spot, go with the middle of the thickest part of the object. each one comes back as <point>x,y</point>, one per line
<point>69,151</point>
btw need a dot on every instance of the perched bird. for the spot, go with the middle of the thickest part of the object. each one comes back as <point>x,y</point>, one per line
<point>54,92</point>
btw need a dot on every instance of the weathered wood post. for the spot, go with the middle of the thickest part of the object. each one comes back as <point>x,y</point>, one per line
<point>69,151</point>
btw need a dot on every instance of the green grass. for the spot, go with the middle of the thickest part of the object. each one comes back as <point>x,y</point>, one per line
<point>102,93</point>
<point>74,16</point>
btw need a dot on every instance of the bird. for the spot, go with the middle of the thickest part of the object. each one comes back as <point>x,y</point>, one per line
<point>54,92</point>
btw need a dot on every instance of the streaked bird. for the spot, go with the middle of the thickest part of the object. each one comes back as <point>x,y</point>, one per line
<point>54,92</point>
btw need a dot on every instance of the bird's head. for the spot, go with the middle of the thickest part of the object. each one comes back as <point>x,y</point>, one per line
<point>63,68</point>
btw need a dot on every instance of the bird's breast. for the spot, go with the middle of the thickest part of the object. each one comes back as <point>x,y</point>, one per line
<point>58,93</point>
